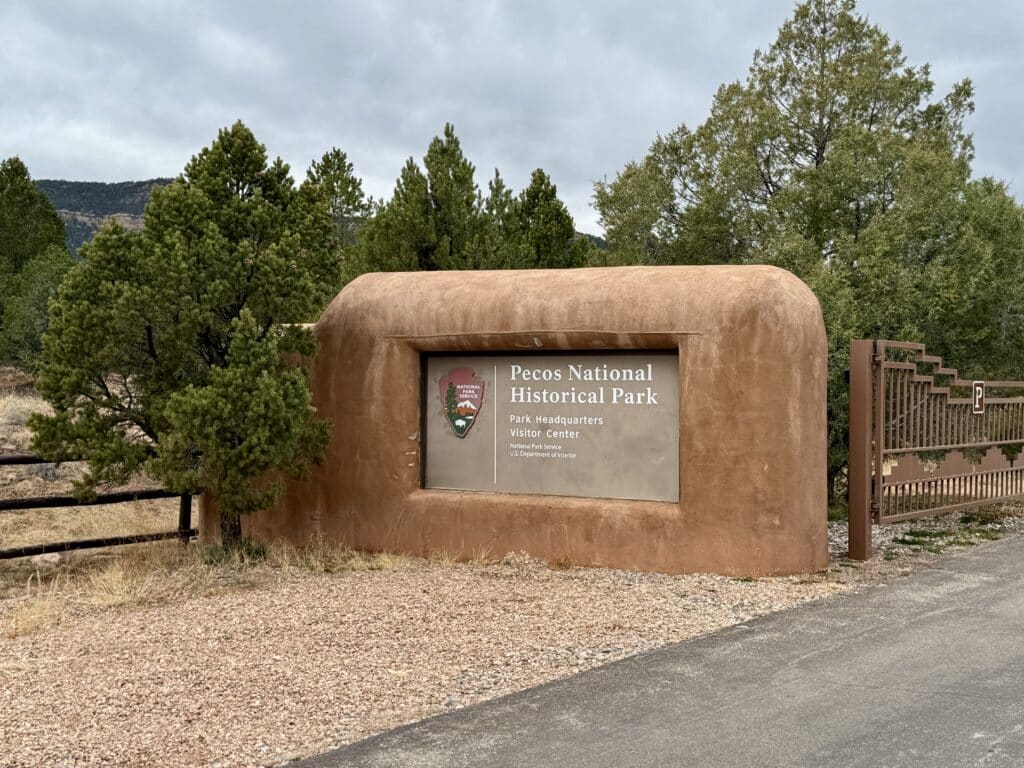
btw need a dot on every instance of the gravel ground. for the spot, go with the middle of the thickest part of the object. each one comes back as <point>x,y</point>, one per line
<point>262,676</point>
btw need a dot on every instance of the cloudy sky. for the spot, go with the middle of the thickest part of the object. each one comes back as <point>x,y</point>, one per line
<point>113,91</point>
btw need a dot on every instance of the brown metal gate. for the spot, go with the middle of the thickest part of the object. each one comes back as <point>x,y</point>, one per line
<point>923,441</point>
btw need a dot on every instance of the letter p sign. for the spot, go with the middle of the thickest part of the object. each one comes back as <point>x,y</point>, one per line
<point>978,397</point>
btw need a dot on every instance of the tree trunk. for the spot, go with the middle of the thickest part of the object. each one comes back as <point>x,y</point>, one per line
<point>230,530</point>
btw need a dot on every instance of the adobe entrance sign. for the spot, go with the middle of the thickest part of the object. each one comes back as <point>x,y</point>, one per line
<point>657,418</point>
<point>591,425</point>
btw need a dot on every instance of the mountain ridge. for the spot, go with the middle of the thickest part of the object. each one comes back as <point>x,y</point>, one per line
<point>83,206</point>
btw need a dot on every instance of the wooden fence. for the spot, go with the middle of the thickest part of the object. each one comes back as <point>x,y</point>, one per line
<point>184,531</point>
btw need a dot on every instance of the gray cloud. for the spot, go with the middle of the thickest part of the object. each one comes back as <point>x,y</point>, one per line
<point>126,90</point>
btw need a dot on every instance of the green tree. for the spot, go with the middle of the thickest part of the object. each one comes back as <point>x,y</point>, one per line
<point>456,206</point>
<point>832,160</point>
<point>335,175</point>
<point>29,226</point>
<point>171,350</point>
<point>438,218</point>
<point>25,316</point>
<point>28,222</point>
<point>506,246</point>
<point>400,236</point>
<point>545,229</point>
<point>434,220</point>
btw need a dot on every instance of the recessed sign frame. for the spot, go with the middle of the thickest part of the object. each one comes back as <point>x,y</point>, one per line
<point>584,424</point>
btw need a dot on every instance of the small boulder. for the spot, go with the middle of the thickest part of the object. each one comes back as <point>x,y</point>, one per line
<point>49,560</point>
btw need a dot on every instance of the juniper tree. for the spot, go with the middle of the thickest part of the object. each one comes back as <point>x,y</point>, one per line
<point>171,350</point>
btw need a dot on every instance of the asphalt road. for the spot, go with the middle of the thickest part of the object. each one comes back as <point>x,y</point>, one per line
<point>927,671</point>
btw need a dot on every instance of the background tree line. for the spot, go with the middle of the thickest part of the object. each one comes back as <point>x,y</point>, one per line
<point>832,159</point>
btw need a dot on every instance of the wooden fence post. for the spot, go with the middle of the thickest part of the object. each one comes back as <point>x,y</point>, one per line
<point>185,518</point>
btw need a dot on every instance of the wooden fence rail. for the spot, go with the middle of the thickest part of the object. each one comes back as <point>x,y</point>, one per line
<point>184,531</point>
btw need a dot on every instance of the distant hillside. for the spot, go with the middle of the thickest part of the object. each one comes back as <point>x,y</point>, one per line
<point>85,205</point>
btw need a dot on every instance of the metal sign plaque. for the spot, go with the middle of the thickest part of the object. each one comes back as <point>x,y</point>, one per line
<point>574,424</point>
<point>978,397</point>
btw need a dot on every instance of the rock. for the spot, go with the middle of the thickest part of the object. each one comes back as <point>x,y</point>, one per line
<point>49,560</point>
<point>47,472</point>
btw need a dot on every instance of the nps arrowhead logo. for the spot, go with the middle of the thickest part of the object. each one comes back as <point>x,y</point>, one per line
<point>462,396</point>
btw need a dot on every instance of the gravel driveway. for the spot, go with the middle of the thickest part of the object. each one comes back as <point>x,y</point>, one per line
<point>261,676</point>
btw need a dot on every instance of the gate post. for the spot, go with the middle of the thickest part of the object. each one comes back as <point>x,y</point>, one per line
<point>859,467</point>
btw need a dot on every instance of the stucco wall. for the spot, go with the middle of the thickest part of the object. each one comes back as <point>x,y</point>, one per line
<point>752,431</point>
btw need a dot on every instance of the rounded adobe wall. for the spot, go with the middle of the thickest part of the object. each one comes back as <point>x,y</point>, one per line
<point>752,445</point>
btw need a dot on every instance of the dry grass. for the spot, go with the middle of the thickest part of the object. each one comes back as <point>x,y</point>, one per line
<point>39,526</point>
<point>483,556</point>
<point>320,555</point>
<point>561,563</point>
<point>39,610</point>
<point>444,557</point>
<point>16,405</point>
<point>43,591</point>
<point>44,594</point>
<point>448,558</point>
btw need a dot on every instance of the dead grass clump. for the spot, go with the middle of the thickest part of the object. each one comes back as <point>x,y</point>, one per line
<point>561,563</point>
<point>42,593</point>
<point>448,558</point>
<point>388,561</point>
<point>117,584</point>
<point>321,555</point>
<point>482,556</point>
<point>137,575</point>
<point>444,557</point>
<point>38,610</point>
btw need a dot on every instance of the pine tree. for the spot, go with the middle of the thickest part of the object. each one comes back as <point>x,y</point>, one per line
<point>28,223</point>
<point>33,259</point>
<point>545,227</point>
<point>171,350</point>
<point>438,219</point>
<point>25,313</point>
<point>335,176</point>
<point>450,400</point>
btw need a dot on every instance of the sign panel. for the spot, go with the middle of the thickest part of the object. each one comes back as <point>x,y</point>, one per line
<point>978,397</point>
<point>575,424</point>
